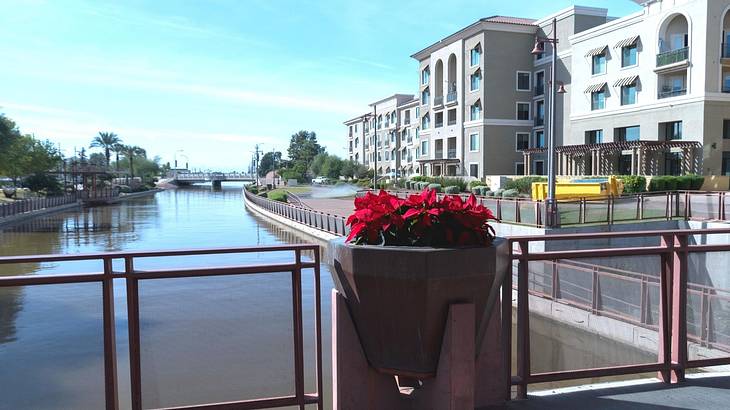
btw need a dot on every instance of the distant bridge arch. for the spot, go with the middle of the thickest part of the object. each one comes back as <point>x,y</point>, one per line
<point>216,178</point>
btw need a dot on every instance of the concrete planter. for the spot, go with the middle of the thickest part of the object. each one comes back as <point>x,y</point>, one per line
<point>399,298</point>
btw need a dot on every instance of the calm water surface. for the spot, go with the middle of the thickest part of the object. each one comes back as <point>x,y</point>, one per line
<point>203,339</point>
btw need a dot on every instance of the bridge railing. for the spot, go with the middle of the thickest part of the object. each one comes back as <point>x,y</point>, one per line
<point>303,257</point>
<point>35,204</point>
<point>333,224</point>
<point>674,293</point>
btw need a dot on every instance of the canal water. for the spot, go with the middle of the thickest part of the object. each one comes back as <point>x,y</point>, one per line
<point>203,339</point>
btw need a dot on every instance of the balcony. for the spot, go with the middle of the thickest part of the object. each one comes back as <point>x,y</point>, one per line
<point>725,51</point>
<point>539,121</point>
<point>410,139</point>
<point>539,90</point>
<point>726,89</point>
<point>451,154</point>
<point>410,159</point>
<point>439,154</point>
<point>672,57</point>
<point>407,121</point>
<point>451,97</point>
<point>438,102</point>
<point>672,93</point>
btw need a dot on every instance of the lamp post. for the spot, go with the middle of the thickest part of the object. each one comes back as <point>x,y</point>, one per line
<point>375,147</point>
<point>551,219</point>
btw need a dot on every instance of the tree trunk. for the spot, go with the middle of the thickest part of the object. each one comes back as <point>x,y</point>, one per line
<point>131,167</point>
<point>108,156</point>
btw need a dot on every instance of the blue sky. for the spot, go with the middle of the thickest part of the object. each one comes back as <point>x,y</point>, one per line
<point>215,77</point>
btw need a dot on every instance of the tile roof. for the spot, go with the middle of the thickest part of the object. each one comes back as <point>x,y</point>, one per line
<point>510,20</point>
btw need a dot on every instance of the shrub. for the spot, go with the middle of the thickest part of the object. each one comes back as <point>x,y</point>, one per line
<point>696,182</point>
<point>490,194</point>
<point>451,190</point>
<point>45,183</point>
<point>498,193</point>
<point>485,191</point>
<point>277,196</point>
<point>477,190</point>
<point>252,189</point>
<point>657,184</point>
<point>263,194</point>
<point>524,184</point>
<point>473,184</point>
<point>670,183</point>
<point>634,184</point>
<point>510,193</point>
<point>435,187</point>
<point>684,183</point>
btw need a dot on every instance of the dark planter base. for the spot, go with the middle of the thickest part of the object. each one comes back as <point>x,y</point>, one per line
<point>399,298</point>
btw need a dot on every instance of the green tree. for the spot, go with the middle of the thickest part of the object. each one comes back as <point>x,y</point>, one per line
<point>131,152</point>
<point>97,159</point>
<point>315,167</point>
<point>106,141</point>
<point>332,167</point>
<point>26,155</point>
<point>118,149</point>
<point>303,146</point>
<point>269,161</point>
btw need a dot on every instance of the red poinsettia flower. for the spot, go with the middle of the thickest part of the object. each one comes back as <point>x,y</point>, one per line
<point>420,220</point>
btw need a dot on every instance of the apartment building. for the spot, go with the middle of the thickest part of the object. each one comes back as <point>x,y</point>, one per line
<point>647,93</point>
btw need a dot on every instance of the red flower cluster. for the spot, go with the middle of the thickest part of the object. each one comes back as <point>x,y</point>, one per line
<point>420,220</point>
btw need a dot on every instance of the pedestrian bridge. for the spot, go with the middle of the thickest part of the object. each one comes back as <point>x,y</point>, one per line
<point>217,178</point>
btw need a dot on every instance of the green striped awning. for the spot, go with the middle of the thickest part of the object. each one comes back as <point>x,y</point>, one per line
<point>626,81</point>
<point>595,88</point>
<point>627,42</point>
<point>596,51</point>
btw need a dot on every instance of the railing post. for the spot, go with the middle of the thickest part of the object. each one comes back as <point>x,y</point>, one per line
<point>523,321</point>
<point>135,369</point>
<point>518,218</point>
<point>679,307</point>
<point>507,324</point>
<point>296,278</point>
<point>645,306</point>
<point>665,323</point>
<point>705,317</point>
<point>499,209</point>
<point>110,345</point>
<point>640,207</point>
<point>596,303</point>
<point>555,288</point>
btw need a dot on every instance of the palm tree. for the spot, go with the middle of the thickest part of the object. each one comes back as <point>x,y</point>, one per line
<point>118,149</point>
<point>130,151</point>
<point>105,140</point>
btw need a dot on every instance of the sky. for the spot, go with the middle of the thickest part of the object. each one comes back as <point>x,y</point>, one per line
<point>207,80</point>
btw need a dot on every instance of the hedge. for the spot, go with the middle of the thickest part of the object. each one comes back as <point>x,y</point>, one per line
<point>277,196</point>
<point>510,193</point>
<point>673,183</point>
<point>436,187</point>
<point>523,185</point>
<point>634,184</point>
<point>451,190</point>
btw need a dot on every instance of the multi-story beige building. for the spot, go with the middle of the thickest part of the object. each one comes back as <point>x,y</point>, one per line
<point>647,93</point>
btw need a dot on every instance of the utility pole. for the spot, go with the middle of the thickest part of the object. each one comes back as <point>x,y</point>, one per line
<point>256,162</point>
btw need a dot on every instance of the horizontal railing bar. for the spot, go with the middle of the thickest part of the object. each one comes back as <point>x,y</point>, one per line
<point>249,404</point>
<point>591,373</point>
<point>594,253</point>
<point>717,361</point>
<point>152,254</point>
<point>626,234</point>
<point>202,272</point>
<point>8,281</point>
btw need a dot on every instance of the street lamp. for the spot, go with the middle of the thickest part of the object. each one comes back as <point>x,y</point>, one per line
<point>551,219</point>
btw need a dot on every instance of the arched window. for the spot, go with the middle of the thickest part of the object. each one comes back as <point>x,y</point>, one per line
<point>475,111</point>
<point>476,55</point>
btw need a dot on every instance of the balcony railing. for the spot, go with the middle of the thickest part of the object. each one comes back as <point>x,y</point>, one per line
<point>438,100</point>
<point>671,57</point>
<point>539,89</point>
<point>725,50</point>
<point>451,153</point>
<point>451,122</point>
<point>439,154</point>
<point>407,121</point>
<point>539,121</point>
<point>439,124</point>
<point>451,96</point>
<point>671,93</point>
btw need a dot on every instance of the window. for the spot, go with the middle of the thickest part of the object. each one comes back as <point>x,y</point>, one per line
<point>627,133</point>
<point>474,170</point>
<point>475,111</point>
<point>425,96</point>
<point>598,100</point>
<point>424,148</point>
<point>523,111</point>
<point>439,117</point>
<point>357,141</point>
<point>672,130</point>
<point>594,137</point>
<point>451,117</point>
<point>523,141</point>
<point>355,127</point>
<point>425,75</point>
<point>628,56</point>
<point>540,83</point>
<point>476,78</point>
<point>351,130</point>
<point>539,139</point>
<point>540,113</point>
<point>393,117</point>
<point>519,168</point>
<point>387,155</point>
<point>726,129</point>
<point>539,168</point>
<point>476,54</point>
<point>599,64</point>
<point>474,142</point>
<point>726,163</point>
<point>425,122</point>
<point>418,112</point>
<point>628,94</point>
<point>523,81</point>
<point>380,121</point>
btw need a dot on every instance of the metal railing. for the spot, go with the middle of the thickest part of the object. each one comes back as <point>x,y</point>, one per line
<point>22,206</point>
<point>333,224</point>
<point>451,96</point>
<point>539,90</point>
<point>539,121</point>
<point>671,93</point>
<point>132,277</point>
<point>671,57</point>
<point>673,251</point>
<point>451,153</point>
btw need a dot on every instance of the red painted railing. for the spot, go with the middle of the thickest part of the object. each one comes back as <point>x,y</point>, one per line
<point>133,277</point>
<point>673,251</point>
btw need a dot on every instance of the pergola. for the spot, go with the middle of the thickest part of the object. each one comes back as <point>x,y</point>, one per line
<point>442,162</point>
<point>603,158</point>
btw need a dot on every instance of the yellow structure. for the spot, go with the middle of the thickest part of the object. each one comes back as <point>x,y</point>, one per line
<point>580,188</point>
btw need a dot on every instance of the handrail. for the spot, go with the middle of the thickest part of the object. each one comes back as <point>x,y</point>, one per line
<point>132,276</point>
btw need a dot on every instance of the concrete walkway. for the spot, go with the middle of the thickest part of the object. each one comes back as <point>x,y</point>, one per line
<point>334,206</point>
<point>698,392</point>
